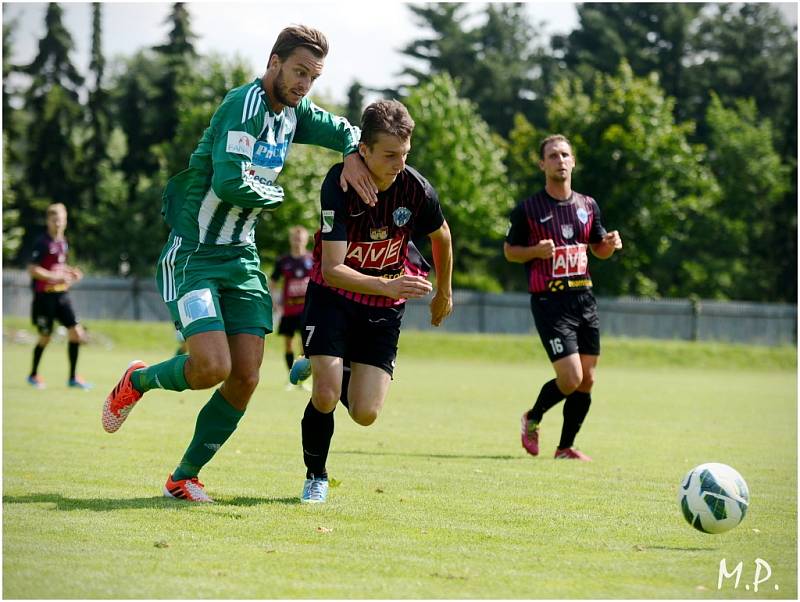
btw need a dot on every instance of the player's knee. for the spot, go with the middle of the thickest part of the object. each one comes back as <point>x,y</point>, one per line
<point>587,383</point>
<point>44,340</point>
<point>568,383</point>
<point>365,417</point>
<point>245,383</point>
<point>207,372</point>
<point>325,398</point>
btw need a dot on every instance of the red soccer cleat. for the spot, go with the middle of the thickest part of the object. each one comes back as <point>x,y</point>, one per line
<point>190,490</point>
<point>571,453</point>
<point>121,400</point>
<point>529,434</point>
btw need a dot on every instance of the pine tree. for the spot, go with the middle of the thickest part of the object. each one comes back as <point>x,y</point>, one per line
<point>98,111</point>
<point>51,155</point>
<point>176,54</point>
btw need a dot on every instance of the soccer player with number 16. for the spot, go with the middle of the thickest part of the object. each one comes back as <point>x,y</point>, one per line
<point>550,233</point>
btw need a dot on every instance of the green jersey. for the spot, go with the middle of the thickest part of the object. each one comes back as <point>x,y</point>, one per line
<point>231,178</point>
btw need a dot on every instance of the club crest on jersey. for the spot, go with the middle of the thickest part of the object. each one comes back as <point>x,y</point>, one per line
<point>379,233</point>
<point>401,215</point>
<point>583,215</point>
<point>567,231</point>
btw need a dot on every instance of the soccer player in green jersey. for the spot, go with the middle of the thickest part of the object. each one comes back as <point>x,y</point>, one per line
<point>209,273</point>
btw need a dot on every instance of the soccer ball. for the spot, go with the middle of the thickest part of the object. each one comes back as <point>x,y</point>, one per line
<point>713,497</point>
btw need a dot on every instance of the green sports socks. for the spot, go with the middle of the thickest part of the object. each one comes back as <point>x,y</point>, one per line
<point>215,424</point>
<point>166,375</point>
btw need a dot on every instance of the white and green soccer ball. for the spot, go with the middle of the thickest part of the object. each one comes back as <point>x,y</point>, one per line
<point>713,498</point>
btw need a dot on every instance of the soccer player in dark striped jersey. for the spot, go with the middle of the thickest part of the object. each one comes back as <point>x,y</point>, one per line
<point>359,283</point>
<point>51,279</point>
<point>550,233</point>
<point>293,269</point>
<point>209,272</point>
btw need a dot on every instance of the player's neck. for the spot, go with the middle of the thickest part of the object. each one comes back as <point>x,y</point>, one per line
<point>56,234</point>
<point>559,190</point>
<point>297,252</point>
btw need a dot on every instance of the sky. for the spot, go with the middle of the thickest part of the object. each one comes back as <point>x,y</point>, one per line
<point>365,42</point>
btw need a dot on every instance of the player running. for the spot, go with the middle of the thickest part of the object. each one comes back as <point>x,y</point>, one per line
<point>358,288</point>
<point>293,268</point>
<point>51,278</point>
<point>209,270</point>
<point>550,233</point>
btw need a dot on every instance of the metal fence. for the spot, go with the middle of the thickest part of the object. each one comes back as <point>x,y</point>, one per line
<point>756,323</point>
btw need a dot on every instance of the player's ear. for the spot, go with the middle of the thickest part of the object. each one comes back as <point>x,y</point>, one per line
<point>362,150</point>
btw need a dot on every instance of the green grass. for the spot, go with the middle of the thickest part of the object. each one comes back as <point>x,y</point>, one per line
<point>436,499</point>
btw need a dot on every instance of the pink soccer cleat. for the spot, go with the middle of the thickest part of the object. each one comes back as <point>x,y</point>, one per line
<point>529,435</point>
<point>571,453</point>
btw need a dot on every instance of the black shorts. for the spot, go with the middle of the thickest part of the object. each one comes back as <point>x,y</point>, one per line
<point>567,323</point>
<point>48,307</point>
<point>343,328</point>
<point>290,324</point>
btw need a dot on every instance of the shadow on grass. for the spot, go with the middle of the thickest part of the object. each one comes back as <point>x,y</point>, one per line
<point>681,549</point>
<point>424,455</point>
<point>108,504</point>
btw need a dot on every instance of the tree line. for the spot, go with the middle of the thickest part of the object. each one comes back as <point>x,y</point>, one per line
<point>683,119</point>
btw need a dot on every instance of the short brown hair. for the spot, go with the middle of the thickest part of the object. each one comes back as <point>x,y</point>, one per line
<point>385,117</point>
<point>296,36</point>
<point>553,138</point>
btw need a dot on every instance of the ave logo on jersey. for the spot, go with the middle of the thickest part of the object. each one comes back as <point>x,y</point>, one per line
<point>570,260</point>
<point>374,255</point>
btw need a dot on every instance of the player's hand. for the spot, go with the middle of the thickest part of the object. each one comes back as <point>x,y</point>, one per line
<point>408,287</point>
<point>613,240</point>
<point>441,307</point>
<point>545,248</point>
<point>356,174</point>
<point>75,273</point>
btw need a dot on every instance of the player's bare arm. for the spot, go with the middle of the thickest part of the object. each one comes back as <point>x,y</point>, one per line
<point>356,174</point>
<point>442,250</point>
<point>611,242</point>
<point>38,272</point>
<point>544,249</point>
<point>337,274</point>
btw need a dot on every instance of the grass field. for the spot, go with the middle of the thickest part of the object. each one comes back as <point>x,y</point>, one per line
<point>436,500</point>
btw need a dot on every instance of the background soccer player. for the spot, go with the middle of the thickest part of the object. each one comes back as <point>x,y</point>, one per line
<point>549,233</point>
<point>293,269</point>
<point>52,277</point>
<point>209,271</point>
<point>359,283</point>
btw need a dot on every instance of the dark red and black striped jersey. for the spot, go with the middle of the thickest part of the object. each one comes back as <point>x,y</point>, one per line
<point>51,255</point>
<point>377,237</point>
<point>572,225</point>
<point>295,274</point>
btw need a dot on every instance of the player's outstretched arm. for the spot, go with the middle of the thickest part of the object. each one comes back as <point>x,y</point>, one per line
<point>442,249</point>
